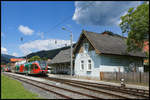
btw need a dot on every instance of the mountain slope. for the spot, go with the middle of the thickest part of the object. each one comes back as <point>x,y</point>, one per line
<point>50,54</point>
<point>6,58</point>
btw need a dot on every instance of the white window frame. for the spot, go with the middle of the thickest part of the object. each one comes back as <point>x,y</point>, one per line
<point>89,64</point>
<point>81,65</point>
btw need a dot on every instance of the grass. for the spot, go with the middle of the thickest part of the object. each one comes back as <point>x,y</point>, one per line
<point>13,89</point>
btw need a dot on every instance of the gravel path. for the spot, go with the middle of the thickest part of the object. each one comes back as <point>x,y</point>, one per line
<point>41,93</point>
<point>70,94</point>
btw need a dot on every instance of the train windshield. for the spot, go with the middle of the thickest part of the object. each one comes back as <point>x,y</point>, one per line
<point>42,64</point>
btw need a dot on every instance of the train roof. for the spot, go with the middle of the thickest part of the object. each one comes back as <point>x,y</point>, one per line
<point>28,63</point>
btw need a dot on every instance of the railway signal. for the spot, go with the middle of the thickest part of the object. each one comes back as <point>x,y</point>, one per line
<point>122,83</point>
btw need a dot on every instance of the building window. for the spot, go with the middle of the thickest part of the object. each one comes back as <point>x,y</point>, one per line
<point>86,47</point>
<point>82,65</point>
<point>89,65</point>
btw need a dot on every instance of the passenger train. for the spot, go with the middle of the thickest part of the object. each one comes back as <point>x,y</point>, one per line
<point>36,67</point>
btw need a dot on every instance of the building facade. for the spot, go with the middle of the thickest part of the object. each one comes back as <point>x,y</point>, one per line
<point>60,64</point>
<point>106,52</point>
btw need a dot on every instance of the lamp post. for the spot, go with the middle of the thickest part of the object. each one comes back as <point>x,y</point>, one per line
<point>26,55</point>
<point>70,47</point>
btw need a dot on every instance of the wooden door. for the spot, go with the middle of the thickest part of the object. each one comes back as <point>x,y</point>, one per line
<point>101,75</point>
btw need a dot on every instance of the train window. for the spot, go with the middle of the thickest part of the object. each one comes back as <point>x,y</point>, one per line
<point>26,68</point>
<point>32,67</point>
<point>36,67</point>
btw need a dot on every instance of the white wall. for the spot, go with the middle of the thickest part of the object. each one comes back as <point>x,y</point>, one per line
<point>85,57</point>
<point>102,63</point>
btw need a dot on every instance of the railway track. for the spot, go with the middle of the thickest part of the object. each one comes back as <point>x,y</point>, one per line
<point>134,92</point>
<point>108,93</point>
<point>94,87</point>
<point>57,93</point>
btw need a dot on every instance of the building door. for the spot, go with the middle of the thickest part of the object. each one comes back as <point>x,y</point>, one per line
<point>101,75</point>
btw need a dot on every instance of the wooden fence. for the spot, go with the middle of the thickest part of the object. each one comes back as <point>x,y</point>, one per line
<point>132,77</point>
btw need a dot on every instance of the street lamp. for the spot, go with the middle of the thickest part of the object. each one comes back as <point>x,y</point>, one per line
<point>70,47</point>
<point>26,55</point>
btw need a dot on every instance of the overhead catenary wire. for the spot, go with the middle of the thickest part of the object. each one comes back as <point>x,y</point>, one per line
<point>65,20</point>
<point>91,4</point>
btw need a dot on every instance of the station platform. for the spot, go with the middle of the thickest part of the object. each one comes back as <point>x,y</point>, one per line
<point>98,81</point>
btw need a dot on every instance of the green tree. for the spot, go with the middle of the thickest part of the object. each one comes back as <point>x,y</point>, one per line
<point>136,24</point>
<point>34,58</point>
<point>44,58</point>
<point>3,63</point>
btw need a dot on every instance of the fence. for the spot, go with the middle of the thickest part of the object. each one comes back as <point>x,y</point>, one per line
<point>130,77</point>
<point>133,77</point>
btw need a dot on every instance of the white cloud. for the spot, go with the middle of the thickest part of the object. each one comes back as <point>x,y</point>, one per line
<point>38,45</point>
<point>25,30</point>
<point>15,54</point>
<point>4,50</point>
<point>101,12</point>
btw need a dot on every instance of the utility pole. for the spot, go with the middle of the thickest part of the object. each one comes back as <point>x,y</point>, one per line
<point>71,39</point>
<point>71,53</point>
<point>22,41</point>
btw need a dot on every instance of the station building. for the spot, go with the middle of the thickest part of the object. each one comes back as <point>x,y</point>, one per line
<point>98,52</point>
<point>104,52</point>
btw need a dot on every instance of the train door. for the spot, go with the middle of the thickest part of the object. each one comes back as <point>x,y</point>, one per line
<point>27,68</point>
<point>36,68</point>
<point>21,68</point>
<point>31,68</point>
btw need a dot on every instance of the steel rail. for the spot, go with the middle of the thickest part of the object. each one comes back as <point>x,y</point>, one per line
<point>126,88</point>
<point>67,97</point>
<point>97,91</point>
<point>80,93</point>
<point>118,89</point>
<point>132,89</point>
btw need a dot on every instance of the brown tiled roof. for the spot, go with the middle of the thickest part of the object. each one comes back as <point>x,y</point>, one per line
<point>110,44</point>
<point>62,57</point>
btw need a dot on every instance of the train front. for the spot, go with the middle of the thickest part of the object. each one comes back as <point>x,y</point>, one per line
<point>43,67</point>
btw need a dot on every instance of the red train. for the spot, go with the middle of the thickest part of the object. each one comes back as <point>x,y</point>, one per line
<point>36,67</point>
<point>5,68</point>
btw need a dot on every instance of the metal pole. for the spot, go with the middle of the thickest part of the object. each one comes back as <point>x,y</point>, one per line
<point>71,53</point>
<point>71,48</point>
<point>26,59</point>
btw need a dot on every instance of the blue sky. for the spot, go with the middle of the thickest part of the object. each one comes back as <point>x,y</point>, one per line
<point>40,22</point>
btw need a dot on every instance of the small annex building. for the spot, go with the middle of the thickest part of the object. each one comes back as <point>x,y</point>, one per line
<point>61,62</point>
<point>104,52</point>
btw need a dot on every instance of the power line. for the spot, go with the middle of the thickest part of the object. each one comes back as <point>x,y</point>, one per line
<point>64,20</point>
<point>91,4</point>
